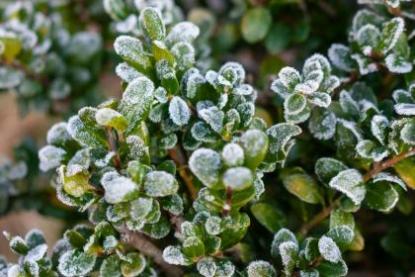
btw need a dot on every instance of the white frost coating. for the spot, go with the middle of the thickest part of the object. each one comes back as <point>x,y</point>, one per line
<point>214,117</point>
<point>179,111</point>
<point>117,187</point>
<point>401,95</point>
<point>173,255</point>
<point>58,133</point>
<point>36,253</point>
<point>133,94</point>
<point>127,46</point>
<point>105,115</point>
<point>391,32</point>
<point>367,149</point>
<point>207,267</point>
<point>378,127</point>
<point>281,134</point>
<point>50,157</point>
<point>260,269</point>
<point>350,182</point>
<point>408,133</point>
<point>307,87</point>
<point>289,76</point>
<point>75,263</point>
<point>295,104</point>
<point>233,154</point>
<point>160,184</point>
<point>184,32</point>
<point>287,251</point>
<point>368,37</point>
<point>365,65</point>
<point>320,99</point>
<point>338,53</point>
<point>126,72</point>
<point>384,176</point>
<point>213,225</point>
<point>397,64</point>
<point>283,235</point>
<point>238,178</point>
<point>136,146</point>
<point>351,126</point>
<point>140,208</point>
<point>225,269</point>
<point>329,249</point>
<point>322,126</point>
<point>205,164</point>
<point>405,109</point>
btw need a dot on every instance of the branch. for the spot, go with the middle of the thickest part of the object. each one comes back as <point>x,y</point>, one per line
<point>377,168</point>
<point>178,157</point>
<point>146,247</point>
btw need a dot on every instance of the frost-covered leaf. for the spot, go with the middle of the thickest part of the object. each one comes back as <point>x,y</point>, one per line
<point>268,215</point>
<point>339,55</point>
<point>118,188</point>
<point>255,145</point>
<point>322,123</point>
<point>173,255</point>
<point>327,168</point>
<point>280,134</point>
<point>329,249</point>
<point>131,50</point>
<point>233,154</point>
<point>408,133</point>
<point>295,104</point>
<point>136,101</point>
<point>110,118</point>
<point>260,269</point>
<point>319,99</point>
<point>58,134</point>
<point>76,263</point>
<point>160,184</point>
<point>238,178</point>
<point>182,32</point>
<point>391,32</point>
<point>398,64</point>
<point>289,254</point>
<point>85,132</point>
<point>50,157</point>
<point>214,117</point>
<point>349,182</point>
<point>133,265</point>
<point>179,111</point>
<point>387,177</point>
<point>405,109</point>
<point>10,78</point>
<point>378,126</point>
<point>283,235</point>
<point>207,267</point>
<point>327,268</point>
<point>289,77</point>
<point>152,22</point>
<point>369,150</point>
<point>205,164</point>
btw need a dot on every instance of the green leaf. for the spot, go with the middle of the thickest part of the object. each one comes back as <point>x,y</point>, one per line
<point>118,188</point>
<point>283,235</point>
<point>136,101</point>
<point>327,168</point>
<point>76,263</point>
<point>110,118</point>
<point>339,55</point>
<point>238,178</point>
<point>327,268</point>
<point>302,185</point>
<point>255,145</point>
<point>260,269</point>
<point>75,180</point>
<point>131,50</point>
<point>84,129</point>
<point>160,184</point>
<point>405,170</point>
<point>152,23</point>
<point>116,9</point>
<point>205,164</point>
<point>349,182</point>
<point>295,104</point>
<point>233,154</point>
<point>381,196</point>
<point>110,267</point>
<point>322,123</point>
<point>134,265</point>
<point>391,32</point>
<point>255,24</point>
<point>268,215</point>
<point>408,133</point>
<point>193,247</point>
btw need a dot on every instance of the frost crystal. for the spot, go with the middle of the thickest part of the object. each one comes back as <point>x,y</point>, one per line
<point>117,188</point>
<point>329,249</point>
<point>238,178</point>
<point>261,269</point>
<point>50,157</point>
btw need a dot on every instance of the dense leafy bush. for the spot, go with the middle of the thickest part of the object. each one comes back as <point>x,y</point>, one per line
<point>193,170</point>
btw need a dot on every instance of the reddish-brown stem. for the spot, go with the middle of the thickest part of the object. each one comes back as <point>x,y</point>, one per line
<point>146,247</point>
<point>178,157</point>
<point>228,203</point>
<point>113,147</point>
<point>379,167</point>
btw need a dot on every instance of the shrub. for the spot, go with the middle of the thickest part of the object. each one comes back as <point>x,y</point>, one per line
<point>187,173</point>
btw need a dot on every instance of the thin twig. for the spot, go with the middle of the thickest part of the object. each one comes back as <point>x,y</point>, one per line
<point>146,247</point>
<point>113,147</point>
<point>377,168</point>
<point>178,157</point>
